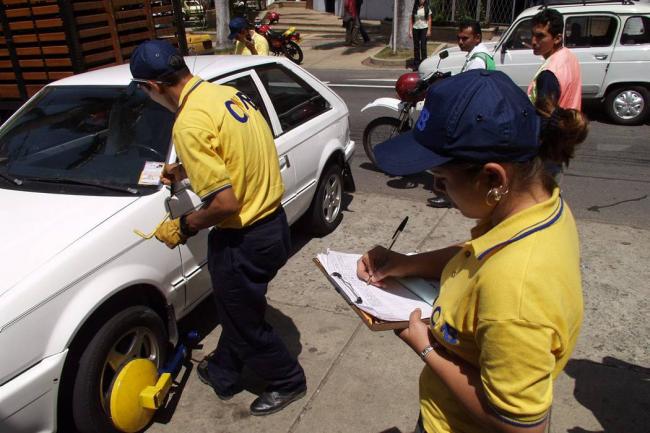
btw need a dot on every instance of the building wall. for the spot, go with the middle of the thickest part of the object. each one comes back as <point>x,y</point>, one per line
<point>370,9</point>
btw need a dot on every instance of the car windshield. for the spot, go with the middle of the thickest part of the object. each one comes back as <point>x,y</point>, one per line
<point>85,136</point>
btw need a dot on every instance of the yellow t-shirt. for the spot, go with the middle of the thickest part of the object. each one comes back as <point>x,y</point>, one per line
<point>511,305</point>
<point>261,46</point>
<point>223,141</point>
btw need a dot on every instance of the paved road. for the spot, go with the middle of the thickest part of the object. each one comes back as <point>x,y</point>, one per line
<point>608,181</point>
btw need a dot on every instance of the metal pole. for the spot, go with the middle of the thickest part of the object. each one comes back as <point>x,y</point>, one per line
<point>512,15</point>
<point>478,10</point>
<point>488,8</point>
<point>453,10</point>
<point>394,38</point>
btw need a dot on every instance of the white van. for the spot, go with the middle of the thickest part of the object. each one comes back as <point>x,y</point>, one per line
<point>611,41</point>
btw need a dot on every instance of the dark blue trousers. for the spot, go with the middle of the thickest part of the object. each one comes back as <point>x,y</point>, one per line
<point>241,264</point>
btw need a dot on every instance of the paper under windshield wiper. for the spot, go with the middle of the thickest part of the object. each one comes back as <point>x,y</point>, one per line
<point>64,180</point>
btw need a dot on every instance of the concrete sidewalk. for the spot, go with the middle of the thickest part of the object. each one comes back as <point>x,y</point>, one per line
<point>364,381</point>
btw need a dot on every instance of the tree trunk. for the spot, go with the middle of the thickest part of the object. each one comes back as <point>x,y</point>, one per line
<point>223,18</point>
<point>402,17</point>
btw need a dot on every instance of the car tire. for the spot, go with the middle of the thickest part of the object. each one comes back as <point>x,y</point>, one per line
<point>378,131</point>
<point>627,105</point>
<point>325,213</point>
<point>136,332</point>
<point>293,52</point>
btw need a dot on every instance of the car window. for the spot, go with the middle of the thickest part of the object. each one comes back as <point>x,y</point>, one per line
<point>590,31</point>
<point>520,38</point>
<point>246,84</point>
<point>294,100</point>
<point>636,31</point>
<point>87,134</point>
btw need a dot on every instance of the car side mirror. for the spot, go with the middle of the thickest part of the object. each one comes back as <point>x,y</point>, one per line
<point>443,54</point>
<point>182,200</point>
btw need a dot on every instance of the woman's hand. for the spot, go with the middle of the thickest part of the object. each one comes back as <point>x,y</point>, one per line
<point>172,173</point>
<point>379,263</point>
<point>417,335</point>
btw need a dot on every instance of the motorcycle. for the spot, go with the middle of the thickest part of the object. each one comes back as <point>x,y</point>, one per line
<point>285,43</point>
<point>411,90</point>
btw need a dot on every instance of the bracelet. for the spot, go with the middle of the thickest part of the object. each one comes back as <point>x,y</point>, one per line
<point>425,352</point>
<point>185,229</point>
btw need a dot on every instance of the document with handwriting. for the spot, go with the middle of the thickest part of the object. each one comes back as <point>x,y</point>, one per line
<point>393,303</point>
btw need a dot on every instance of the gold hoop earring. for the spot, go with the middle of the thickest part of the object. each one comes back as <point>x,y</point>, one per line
<point>494,195</point>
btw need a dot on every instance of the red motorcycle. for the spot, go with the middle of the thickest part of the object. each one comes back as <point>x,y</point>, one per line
<point>281,43</point>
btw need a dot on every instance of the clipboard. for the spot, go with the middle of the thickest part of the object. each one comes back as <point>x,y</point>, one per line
<point>373,323</point>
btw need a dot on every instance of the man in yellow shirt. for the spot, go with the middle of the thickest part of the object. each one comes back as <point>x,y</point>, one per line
<point>249,42</point>
<point>228,154</point>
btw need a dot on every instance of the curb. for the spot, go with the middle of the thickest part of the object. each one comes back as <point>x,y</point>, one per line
<point>404,61</point>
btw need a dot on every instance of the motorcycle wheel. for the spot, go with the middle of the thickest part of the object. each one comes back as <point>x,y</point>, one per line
<point>293,52</point>
<point>378,131</point>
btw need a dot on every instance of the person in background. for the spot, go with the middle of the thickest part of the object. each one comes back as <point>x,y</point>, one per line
<point>364,34</point>
<point>510,306</point>
<point>470,39</point>
<point>228,153</point>
<point>478,57</point>
<point>558,78</point>
<point>420,30</point>
<point>249,42</point>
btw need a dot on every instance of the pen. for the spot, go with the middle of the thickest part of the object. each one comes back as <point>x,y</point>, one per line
<point>392,242</point>
<point>349,286</point>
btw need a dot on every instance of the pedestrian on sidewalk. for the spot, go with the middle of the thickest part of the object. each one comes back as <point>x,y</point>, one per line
<point>420,30</point>
<point>229,155</point>
<point>351,22</point>
<point>363,32</point>
<point>510,305</point>
<point>248,41</point>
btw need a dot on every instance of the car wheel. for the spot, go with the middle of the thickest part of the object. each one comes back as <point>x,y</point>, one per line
<point>627,105</point>
<point>325,212</point>
<point>378,131</point>
<point>136,332</point>
<point>293,52</point>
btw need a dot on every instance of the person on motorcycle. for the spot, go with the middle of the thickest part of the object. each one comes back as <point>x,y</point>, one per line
<point>470,40</point>
<point>478,57</point>
<point>249,42</point>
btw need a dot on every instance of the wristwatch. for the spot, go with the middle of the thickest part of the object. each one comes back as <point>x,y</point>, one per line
<point>425,352</point>
<point>185,229</point>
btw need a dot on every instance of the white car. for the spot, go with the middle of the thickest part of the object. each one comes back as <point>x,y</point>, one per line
<point>611,41</point>
<point>81,294</point>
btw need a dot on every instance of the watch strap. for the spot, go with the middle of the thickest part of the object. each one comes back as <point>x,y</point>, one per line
<point>425,352</point>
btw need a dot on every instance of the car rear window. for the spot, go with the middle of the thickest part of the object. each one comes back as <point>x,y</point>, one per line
<point>590,31</point>
<point>636,31</point>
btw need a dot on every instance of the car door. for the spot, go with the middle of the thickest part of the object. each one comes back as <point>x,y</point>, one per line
<point>304,117</point>
<point>515,57</point>
<point>194,252</point>
<point>591,38</point>
<point>631,58</point>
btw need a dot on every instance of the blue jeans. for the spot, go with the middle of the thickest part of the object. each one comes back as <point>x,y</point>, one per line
<point>241,264</point>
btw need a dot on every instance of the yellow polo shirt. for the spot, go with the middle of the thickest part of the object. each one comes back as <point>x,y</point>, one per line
<point>261,46</point>
<point>223,141</point>
<point>510,304</point>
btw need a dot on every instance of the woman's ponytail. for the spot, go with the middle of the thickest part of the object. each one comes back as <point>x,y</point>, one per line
<point>562,130</point>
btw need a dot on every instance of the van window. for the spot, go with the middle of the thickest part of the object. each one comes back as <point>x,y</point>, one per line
<point>589,31</point>
<point>520,38</point>
<point>636,31</point>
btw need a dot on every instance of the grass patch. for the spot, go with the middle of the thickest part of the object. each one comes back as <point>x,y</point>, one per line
<point>387,53</point>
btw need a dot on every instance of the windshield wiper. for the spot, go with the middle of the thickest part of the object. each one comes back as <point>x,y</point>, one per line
<point>127,190</point>
<point>11,179</point>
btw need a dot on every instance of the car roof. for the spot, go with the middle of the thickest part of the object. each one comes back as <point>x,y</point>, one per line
<point>206,67</point>
<point>590,7</point>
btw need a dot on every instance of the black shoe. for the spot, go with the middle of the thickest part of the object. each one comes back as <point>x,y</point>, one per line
<point>274,401</point>
<point>202,372</point>
<point>439,202</point>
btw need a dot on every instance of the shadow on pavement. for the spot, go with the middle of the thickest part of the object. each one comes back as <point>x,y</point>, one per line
<point>616,392</point>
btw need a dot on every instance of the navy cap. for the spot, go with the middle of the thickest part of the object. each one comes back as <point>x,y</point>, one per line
<point>236,25</point>
<point>153,60</point>
<point>477,116</point>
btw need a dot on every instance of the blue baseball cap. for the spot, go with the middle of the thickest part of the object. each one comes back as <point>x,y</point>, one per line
<point>476,116</point>
<point>153,60</point>
<point>236,25</point>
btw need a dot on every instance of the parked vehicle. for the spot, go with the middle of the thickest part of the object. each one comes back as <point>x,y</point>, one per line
<point>285,43</point>
<point>411,90</point>
<point>81,294</point>
<point>611,41</point>
<point>193,10</point>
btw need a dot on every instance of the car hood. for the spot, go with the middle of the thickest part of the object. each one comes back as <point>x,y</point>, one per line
<point>38,226</point>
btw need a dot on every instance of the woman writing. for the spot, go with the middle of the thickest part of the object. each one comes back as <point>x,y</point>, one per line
<point>420,30</point>
<point>510,305</point>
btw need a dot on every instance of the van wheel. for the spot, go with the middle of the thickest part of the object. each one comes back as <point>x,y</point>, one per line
<point>627,105</point>
<point>325,212</point>
<point>136,332</point>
